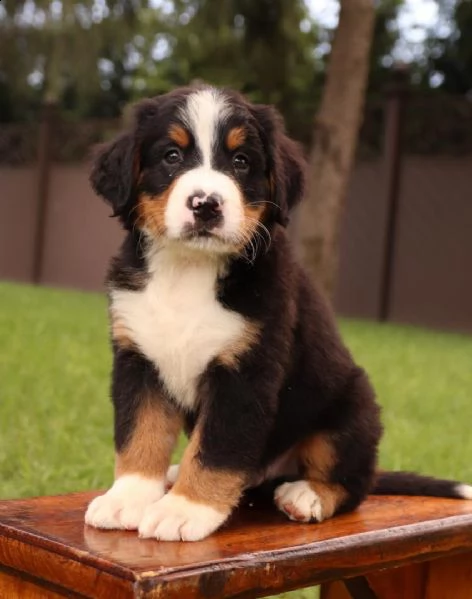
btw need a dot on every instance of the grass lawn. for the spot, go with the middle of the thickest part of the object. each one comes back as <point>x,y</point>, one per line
<point>56,419</point>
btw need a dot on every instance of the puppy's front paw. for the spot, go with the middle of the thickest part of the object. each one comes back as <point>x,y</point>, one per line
<point>299,501</point>
<point>124,504</point>
<point>176,518</point>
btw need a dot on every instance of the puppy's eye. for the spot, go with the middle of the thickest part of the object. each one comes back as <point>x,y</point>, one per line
<point>240,163</point>
<point>173,156</point>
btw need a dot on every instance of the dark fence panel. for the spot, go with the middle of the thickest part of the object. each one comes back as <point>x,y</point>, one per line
<point>18,214</point>
<point>362,243</point>
<point>80,238</point>
<point>432,274</point>
<point>432,280</point>
<point>406,244</point>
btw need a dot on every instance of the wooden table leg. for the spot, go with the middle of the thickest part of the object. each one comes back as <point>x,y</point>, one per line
<point>450,578</point>
<point>334,590</point>
<point>445,578</point>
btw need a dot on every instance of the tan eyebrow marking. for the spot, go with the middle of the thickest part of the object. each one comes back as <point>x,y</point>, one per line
<point>235,137</point>
<point>179,135</point>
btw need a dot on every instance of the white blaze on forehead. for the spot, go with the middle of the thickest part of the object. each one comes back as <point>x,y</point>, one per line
<point>203,111</point>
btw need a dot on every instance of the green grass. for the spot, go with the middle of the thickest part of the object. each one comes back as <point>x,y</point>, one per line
<point>56,419</point>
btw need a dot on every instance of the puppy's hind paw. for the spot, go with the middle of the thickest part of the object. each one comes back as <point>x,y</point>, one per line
<point>299,501</point>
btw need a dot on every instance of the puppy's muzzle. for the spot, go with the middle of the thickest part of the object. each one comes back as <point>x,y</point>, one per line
<point>207,210</point>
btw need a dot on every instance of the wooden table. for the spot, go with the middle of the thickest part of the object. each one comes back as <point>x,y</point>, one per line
<point>391,548</point>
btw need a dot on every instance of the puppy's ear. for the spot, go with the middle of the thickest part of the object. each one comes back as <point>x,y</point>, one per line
<point>286,162</point>
<point>117,164</point>
<point>114,171</point>
<point>289,176</point>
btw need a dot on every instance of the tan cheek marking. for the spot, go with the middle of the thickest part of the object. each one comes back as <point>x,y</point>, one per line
<point>151,211</point>
<point>235,138</point>
<point>331,497</point>
<point>254,211</point>
<point>253,215</point>
<point>220,489</point>
<point>231,355</point>
<point>152,440</point>
<point>179,135</point>
<point>318,457</point>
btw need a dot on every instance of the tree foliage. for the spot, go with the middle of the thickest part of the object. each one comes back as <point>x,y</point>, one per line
<point>95,56</point>
<point>385,36</point>
<point>450,50</point>
<point>265,49</point>
<point>52,51</point>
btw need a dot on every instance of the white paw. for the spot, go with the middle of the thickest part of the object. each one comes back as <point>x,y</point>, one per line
<point>172,474</point>
<point>464,491</point>
<point>124,504</point>
<point>176,518</point>
<point>298,501</point>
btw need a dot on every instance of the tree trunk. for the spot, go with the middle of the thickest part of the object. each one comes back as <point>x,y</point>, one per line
<point>336,130</point>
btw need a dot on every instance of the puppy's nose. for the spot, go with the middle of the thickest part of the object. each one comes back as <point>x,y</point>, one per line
<point>205,207</point>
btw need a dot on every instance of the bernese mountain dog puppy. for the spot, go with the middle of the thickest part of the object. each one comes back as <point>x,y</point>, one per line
<point>216,329</point>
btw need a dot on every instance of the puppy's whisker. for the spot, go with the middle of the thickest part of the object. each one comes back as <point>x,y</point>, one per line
<point>263,202</point>
<point>260,231</point>
<point>244,239</point>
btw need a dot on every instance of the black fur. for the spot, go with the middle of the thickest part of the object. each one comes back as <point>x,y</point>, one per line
<point>116,158</point>
<point>134,379</point>
<point>128,270</point>
<point>410,483</point>
<point>285,157</point>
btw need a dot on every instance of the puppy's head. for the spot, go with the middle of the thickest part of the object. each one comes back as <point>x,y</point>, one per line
<point>201,167</point>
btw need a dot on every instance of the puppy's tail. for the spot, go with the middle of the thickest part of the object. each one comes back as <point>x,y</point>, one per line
<point>409,483</point>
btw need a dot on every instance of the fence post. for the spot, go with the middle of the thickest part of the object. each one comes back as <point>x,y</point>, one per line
<point>394,106</point>
<point>46,131</point>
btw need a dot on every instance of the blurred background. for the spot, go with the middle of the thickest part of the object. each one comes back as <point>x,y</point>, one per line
<point>379,94</point>
<point>69,70</point>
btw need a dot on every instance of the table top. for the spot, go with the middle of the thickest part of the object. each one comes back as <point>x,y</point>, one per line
<point>258,552</point>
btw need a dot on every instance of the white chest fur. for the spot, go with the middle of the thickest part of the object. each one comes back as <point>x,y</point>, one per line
<point>177,322</point>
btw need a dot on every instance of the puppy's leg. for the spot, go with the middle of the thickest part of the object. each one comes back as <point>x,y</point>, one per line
<point>146,429</point>
<point>223,453</point>
<point>200,500</point>
<point>314,497</point>
<point>338,466</point>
